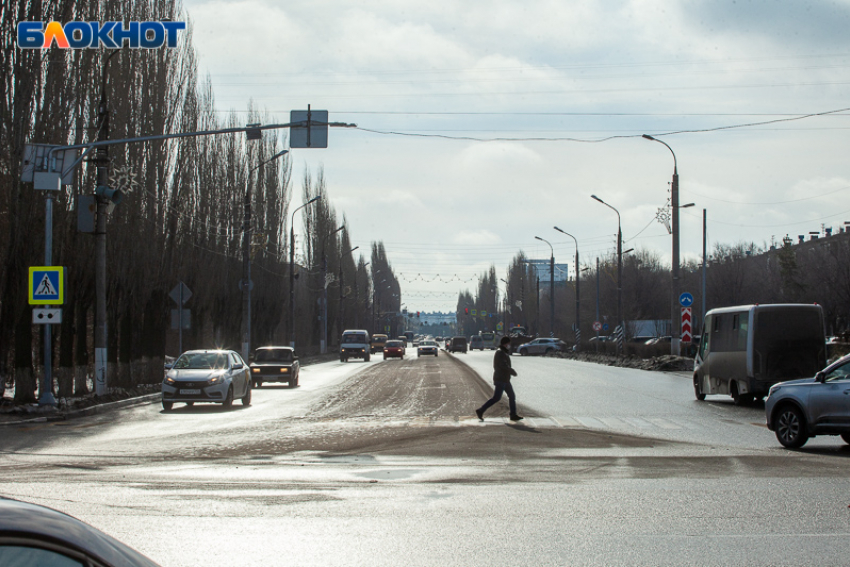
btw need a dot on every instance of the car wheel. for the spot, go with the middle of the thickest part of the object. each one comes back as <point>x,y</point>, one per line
<point>189,404</point>
<point>697,390</point>
<point>790,427</point>
<point>846,437</point>
<point>548,351</point>
<point>167,406</point>
<point>368,358</point>
<point>385,357</point>
<point>523,352</point>
<point>246,399</point>
<point>736,397</point>
<point>228,401</point>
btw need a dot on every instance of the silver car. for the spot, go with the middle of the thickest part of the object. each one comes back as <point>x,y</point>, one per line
<point>542,346</point>
<point>799,409</point>
<point>217,376</point>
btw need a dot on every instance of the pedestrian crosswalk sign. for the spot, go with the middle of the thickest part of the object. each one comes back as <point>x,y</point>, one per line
<point>47,285</point>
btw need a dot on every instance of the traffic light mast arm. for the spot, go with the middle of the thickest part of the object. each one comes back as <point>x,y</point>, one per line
<point>94,145</point>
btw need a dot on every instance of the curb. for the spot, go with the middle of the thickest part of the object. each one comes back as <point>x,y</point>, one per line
<point>91,410</point>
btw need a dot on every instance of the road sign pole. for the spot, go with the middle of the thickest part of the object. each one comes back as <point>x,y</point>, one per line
<point>180,323</point>
<point>46,396</point>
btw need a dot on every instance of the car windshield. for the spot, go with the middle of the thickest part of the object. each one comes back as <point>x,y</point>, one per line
<point>428,343</point>
<point>391,344</point>
<point>354,338</point>
<point>202,361</point>
<point>273,355</point>
<point>840,373</point>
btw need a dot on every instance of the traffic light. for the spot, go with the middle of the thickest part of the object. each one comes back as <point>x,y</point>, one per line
<point>466,310</point>
<point>417,314</point>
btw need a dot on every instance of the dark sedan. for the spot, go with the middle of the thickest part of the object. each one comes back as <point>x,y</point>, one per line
<point>275,364</point>
<point>35,535</point>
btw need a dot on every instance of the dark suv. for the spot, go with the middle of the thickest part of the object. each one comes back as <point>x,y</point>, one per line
<point>458,344</point>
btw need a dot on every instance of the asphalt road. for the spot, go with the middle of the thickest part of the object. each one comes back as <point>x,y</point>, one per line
<point>384,463</point>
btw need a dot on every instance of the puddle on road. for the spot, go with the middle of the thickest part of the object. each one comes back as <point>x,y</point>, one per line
<point>391,474</point>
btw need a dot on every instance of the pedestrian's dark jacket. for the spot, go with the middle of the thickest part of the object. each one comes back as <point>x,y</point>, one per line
<point>502,370</point>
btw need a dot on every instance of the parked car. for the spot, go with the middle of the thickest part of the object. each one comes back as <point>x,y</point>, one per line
<point>378,342</point>
<point>475,342</point>
<point>275,364</point>
<point>798,410</point>
<point>542,346</point>
<point>217,376</point>
<point>394,349</point>
<point>36,535</point>
<point>355,343</point>
<point>457,344</point>
<point>427,347</point>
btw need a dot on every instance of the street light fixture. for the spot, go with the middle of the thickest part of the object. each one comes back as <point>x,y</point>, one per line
<point>291,329</point>
<point>675,313</point>
<point>246,261</point>
<point>578,304</point>
<point>551,287</point>
<point>620,322</point>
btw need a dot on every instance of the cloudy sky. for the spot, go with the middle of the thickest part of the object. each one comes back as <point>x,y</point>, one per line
<point>483,124</point>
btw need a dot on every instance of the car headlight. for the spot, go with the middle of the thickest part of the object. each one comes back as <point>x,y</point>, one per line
<point>257,370</point>
<point>216,379</point>
<point>284,370</point>
<point>170,381</point>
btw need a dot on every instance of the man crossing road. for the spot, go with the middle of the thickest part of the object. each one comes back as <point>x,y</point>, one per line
<point>502,373</point>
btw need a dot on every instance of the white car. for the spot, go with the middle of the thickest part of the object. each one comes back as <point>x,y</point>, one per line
<point>542,346</point>
<point>217,376</point>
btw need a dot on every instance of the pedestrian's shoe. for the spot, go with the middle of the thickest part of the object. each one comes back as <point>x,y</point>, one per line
<point>480,414</point>
<point>515,417</point>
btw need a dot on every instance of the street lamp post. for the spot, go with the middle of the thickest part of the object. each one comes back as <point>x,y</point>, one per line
<point>551,287</point>
<point>675,313</point>
<point>323,347</point>
<point>246,262</point>
<point>357,296</point>
<point>341,282</point>
<point>291,328</point>
<point>620,323</point>
<point>578,280</point>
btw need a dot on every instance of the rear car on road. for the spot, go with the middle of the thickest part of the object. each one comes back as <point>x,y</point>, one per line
<point>427,347</point>
<point>217,376</point>
<point>394,349</point>
<point>800,409</point>
<point>475,342</point>
<point>275,364</point>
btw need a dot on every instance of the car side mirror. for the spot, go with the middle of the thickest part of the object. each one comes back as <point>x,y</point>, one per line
<point>820,377</point>
<point>238,365</point>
